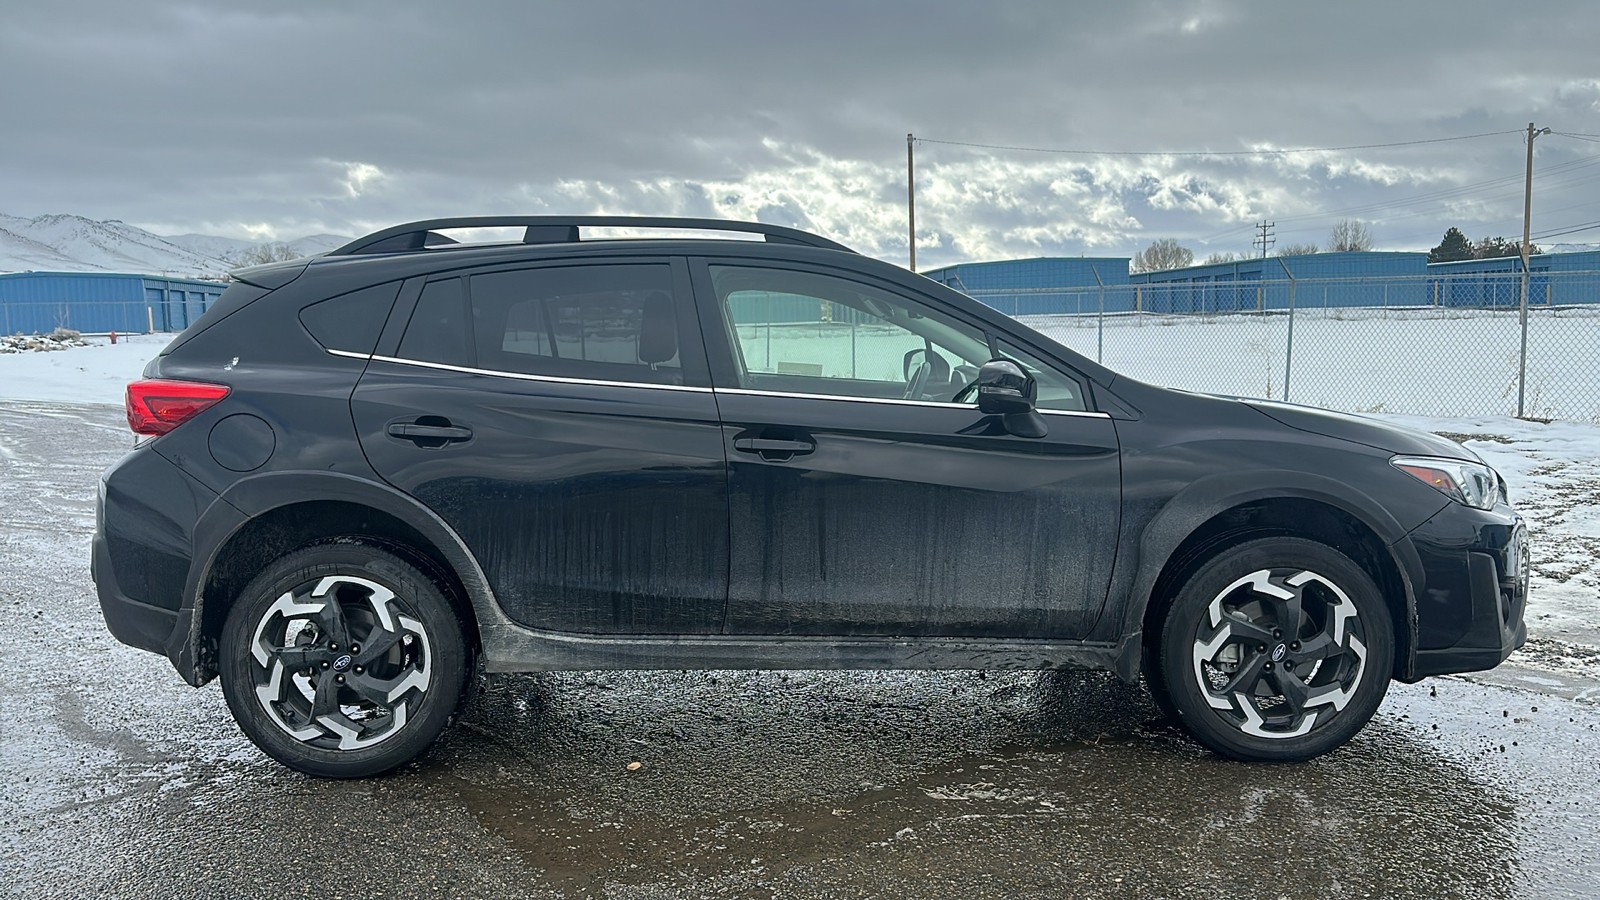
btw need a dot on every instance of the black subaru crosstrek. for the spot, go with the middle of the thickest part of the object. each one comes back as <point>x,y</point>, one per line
<point>371,474</point>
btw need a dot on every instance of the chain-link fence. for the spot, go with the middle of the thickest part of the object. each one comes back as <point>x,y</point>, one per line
<point>1435,345</point>
<point>1431,345</point>
<point>97,316</point>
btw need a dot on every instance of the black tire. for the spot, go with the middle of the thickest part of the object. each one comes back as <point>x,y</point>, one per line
<point>352,706</point>
<point>1226,656</point>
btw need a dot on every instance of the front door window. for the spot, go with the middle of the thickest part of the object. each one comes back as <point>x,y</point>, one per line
<point>807,333</point>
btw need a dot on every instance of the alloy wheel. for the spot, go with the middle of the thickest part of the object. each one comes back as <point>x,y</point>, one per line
<point>340,663</point>
<point>1279,652</point>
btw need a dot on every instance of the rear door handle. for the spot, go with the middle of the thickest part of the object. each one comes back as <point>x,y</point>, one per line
<point>413,432</point>
<point>773,446</point>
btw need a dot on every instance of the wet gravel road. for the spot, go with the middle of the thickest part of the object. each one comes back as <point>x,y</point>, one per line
<point>117,780</point>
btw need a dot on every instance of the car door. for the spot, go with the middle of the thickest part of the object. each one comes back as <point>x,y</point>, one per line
<point>560,419</point>
<point>864,499</point>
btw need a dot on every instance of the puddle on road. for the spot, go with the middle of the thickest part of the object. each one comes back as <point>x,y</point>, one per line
<point>814,781</point>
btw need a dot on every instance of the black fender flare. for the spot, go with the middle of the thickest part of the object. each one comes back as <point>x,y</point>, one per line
<point>1186,511</point>
<point>257,495</point>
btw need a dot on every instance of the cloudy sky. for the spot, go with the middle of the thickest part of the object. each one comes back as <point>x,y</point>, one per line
<point>288,118</point>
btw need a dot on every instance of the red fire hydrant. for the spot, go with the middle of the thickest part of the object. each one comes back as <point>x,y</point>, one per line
<point>113,337</point>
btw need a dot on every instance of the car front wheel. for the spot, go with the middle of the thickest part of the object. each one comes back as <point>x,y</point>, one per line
<point>1278,649</point>
<point>343,661</point>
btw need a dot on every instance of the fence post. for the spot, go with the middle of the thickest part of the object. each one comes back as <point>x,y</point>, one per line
<point>1522,358</point>
<point>1100,324</point>
<point>1288,355</point>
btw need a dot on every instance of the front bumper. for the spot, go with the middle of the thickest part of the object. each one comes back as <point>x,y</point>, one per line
<point>1473,592</point>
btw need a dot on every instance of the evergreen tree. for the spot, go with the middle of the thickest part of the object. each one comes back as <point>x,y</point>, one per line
<point>1455,246</point>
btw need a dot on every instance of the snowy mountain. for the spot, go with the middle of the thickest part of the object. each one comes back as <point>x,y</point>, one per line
<point>60,243</point>
<point>233,250</point>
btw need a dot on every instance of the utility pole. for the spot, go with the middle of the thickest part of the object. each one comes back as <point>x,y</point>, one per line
<point>1265,240</point>
<point>1527,221</point>
<point>911,200</point>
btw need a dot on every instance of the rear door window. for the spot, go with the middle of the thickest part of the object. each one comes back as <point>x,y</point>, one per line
<point>612,322</point>
<point>437,332</point>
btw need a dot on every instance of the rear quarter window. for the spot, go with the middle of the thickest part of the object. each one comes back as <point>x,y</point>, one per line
<point>351,321</point>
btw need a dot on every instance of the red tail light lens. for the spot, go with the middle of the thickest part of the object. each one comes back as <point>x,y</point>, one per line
<point>156,406</point>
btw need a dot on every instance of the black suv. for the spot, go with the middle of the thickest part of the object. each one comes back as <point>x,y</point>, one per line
<point>373,472</point>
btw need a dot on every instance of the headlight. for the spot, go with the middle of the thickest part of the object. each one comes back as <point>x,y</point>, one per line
<point>1473,484</point>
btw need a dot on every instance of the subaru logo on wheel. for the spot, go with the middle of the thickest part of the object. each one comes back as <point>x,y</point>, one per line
<point>1277,654</point>
<point>342,663</point>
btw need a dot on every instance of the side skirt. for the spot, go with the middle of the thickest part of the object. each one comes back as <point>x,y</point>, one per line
<point>512,648</point>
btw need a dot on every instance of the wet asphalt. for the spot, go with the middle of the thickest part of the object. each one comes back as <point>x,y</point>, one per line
<point>118,780</point>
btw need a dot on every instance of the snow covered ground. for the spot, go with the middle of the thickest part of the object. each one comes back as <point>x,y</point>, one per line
<point>1430,361</point>
<point>1553,471</point>
<point>93,374</point>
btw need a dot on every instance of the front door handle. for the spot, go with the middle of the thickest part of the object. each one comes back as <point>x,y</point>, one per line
<point>774,449</point>
<point>765,446</point>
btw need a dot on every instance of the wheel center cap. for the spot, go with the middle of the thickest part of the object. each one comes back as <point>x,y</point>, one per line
<point>1278,653</point>
<point>343,662</point>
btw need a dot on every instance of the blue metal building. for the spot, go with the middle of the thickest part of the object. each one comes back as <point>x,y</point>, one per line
<point>39,302</point>
<point>1554,279</point>
<point>1051,284</point>
<point>1364,278</point>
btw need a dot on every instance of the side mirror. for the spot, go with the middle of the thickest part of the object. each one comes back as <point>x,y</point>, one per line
<point>910,362</point>
<point>1005,390</point>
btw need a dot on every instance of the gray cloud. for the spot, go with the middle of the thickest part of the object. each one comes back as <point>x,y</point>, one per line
<point>310,117</point>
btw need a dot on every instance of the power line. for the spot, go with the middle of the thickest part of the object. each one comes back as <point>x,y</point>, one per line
<point>1431,211</point>
<point>1567,229</point>
<point>1430,197</point>
<point>1463,137</point>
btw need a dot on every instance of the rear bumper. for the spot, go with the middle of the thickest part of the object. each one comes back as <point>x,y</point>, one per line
<point>1471,601</point>
<point>136,624</point>
<point>142,553</point>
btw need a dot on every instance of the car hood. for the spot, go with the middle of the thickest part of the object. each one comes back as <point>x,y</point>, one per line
<point>1362,430</point>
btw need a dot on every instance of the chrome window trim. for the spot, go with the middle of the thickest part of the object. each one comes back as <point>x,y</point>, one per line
<point>1074,412</point>
<point>523,376</point>
<point>553,379</point>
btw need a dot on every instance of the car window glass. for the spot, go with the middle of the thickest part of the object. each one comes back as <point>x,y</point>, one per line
<point>437,331</point>
<point>606,322</point>
<point>804,332</point>
<point>351,321</point>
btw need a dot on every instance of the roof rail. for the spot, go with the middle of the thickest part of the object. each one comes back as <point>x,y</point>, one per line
<point>560,229</point>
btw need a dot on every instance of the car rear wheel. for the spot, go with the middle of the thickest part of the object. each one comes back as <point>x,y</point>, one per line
<point>343,661</point>
<point>1278,649</point>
